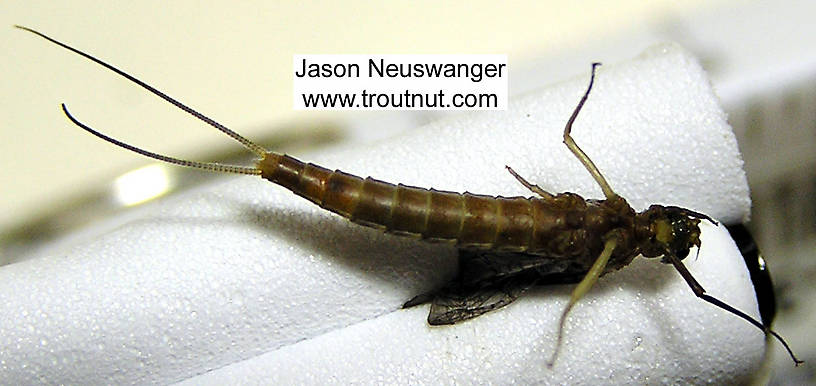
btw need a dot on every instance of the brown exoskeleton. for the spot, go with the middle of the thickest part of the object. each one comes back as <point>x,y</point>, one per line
<point>507,244</point>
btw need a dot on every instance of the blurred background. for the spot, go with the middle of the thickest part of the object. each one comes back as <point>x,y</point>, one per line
<point>233,61</point>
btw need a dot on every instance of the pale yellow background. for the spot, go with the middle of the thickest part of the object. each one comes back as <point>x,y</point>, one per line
<point>231,60</point>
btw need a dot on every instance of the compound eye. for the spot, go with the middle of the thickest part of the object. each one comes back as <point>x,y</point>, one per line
<point>680,242</point>
<point>680,227</point>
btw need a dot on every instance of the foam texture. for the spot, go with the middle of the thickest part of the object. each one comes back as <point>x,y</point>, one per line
<point>244,281</point>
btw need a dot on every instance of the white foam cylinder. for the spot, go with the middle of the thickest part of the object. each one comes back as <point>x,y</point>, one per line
<point>243,281</point>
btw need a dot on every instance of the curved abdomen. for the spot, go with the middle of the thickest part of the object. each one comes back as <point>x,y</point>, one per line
<point>513,224</point>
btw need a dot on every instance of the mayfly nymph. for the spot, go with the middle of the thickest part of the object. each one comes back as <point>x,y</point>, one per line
<point>506,244</point>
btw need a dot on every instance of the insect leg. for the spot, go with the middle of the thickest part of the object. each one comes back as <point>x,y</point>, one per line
<point>581,289</point>
<point>588,164</point>
<point>700,292</point>
<point>534,188</point>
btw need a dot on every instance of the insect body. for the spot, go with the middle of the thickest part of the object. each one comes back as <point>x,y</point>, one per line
<point>507,244</point>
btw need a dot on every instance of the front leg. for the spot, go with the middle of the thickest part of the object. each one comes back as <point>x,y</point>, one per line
<point>701,293</point>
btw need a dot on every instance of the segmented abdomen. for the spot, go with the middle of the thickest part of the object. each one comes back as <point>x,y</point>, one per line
<point>469,220</point>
